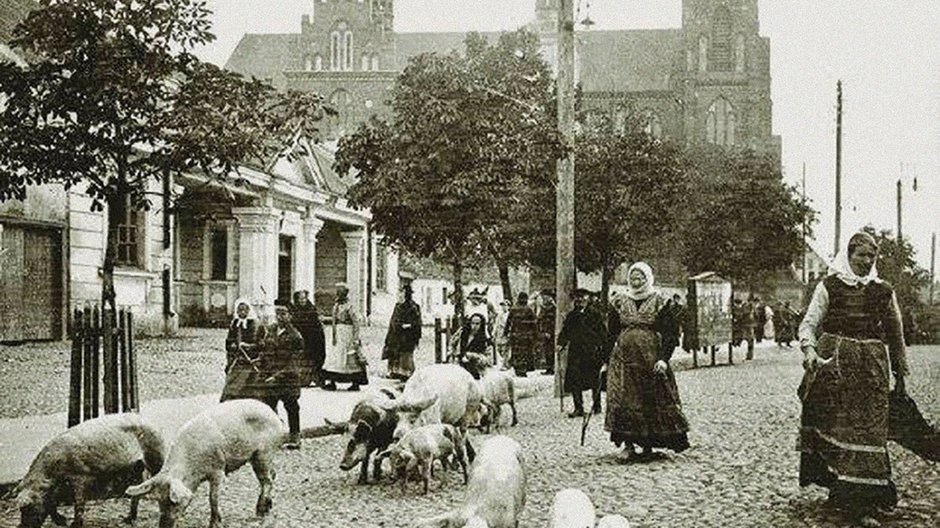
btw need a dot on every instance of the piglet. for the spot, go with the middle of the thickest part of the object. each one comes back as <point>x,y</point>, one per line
<point>497,489</point>
<point>420,447</point>
<point>498,388</point>
<point>96,459</point>
<point>572,509</point>
<point>211,445</point>
<point>613,521</point>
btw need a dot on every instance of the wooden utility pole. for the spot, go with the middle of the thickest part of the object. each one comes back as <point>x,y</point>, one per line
<point>838,166</point>
<point>900,232</point>
<point>564,257</point>
<point>933,262</point>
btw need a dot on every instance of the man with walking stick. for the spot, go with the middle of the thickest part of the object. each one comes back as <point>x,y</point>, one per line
<point>584,333</point>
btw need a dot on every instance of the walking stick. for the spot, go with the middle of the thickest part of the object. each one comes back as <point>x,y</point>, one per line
<point>587,416</point>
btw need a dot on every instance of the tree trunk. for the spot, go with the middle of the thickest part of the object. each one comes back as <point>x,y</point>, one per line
<point>504,280</point>
<point>458,293</point>
<point>606,271</point>
<point>107,269</point>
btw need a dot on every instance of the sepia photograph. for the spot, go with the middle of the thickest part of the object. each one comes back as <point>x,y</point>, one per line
<point>469,263</point>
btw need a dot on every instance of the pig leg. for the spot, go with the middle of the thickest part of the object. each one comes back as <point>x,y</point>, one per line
<point>261,464</point>
<point>512,403</point>
<point>79,487</point>
<point>376,469</point>
<point>57,518</point>
<point>132,515</point>
<point>136,478</point>
<point>364,471</point>
<point>215,487</point>
<point>427,469</point>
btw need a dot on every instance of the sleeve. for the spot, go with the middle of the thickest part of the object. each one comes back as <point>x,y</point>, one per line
<point>815,312</point>
<point>564,336</point>
<point>894,336</point>
<point>665,323</point>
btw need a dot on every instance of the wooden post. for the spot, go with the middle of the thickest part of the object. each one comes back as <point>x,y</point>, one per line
<point>731,353</point>
<point>713,349</point>
<point>132,363</point>
<point>438,358</point>
<point>125,378</point>
<point>933,261</point>
<point>87,342</point>
<point>900,232</point>
<point>109,363</point>
<point>838,167</point>
<point>694,358</point>
<point>565,278</point>
<point>95,362</point>
<point>75,371</point>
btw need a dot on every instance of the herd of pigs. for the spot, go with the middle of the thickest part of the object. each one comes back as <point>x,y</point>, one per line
<point>427,421</point>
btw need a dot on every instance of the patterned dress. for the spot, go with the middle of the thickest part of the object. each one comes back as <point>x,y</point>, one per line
<point>844,420</point>
<point>643,407</point>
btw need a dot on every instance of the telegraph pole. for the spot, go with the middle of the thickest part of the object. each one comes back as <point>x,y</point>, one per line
<point>803,225</point>
<point>838,166</point>
<point>900,233</point>
<point>933,261</point>
<point>564,200</point>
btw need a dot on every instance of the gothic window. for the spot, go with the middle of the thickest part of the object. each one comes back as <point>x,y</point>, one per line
<point>335,51</point>
<point>739,54</point>
<point>365,62</point>
<point>317,62</point>
<point>341,48</point>
<point>381,269</point>
<point>652,125</point>
<point>218,249</point>
<point>348,51</point>
<point>375,61</point>
<point>720,123</point>
<point>308,63</point>
<point>703,53</point>
<point>719,54</point>
<point>126,228</point>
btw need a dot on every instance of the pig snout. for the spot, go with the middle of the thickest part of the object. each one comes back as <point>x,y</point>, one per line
<point>356,452</point>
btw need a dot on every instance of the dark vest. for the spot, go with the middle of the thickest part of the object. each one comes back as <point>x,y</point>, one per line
<point>857,312</point>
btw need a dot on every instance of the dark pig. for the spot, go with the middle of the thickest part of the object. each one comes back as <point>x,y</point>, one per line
<point>369,430</point>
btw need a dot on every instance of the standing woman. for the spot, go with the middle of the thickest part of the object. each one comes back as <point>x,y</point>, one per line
<point>851,318</point>
<point>345,362</point>
<point>404,332</point>
<point>643,406</point>
<point>243,377</point>
<point>471,346</point>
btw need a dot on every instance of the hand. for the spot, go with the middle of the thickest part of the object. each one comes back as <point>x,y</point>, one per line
<point>406,326</point>
<point>660,367</point>
<point>812,361</point>
<point>604,368</point>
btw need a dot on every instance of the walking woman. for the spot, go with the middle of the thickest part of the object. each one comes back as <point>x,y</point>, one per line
<point>851,318</point>
<point>345,362</point>
<point>243,378</point>
<point>643,406</point>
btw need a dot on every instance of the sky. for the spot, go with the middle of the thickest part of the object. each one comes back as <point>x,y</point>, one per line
<point>887,55</point>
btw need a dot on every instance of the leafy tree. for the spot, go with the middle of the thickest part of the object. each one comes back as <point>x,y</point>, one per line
<point>467,136</point>
<point>113,100</point>
<point>742,220</point>
<point>896,264</point>
<point>626,198</point>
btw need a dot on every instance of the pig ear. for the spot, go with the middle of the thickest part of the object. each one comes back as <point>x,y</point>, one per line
<point>179,493</point>
<point>419,405</point>
<point>141,489</point>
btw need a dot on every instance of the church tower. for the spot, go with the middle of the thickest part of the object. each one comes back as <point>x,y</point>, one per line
<point>546,26</point>
<point>349,35</point>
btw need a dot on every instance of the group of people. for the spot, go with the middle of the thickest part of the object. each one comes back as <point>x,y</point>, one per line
<point>272,363</point>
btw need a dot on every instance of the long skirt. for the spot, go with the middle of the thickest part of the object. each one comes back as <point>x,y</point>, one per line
<point>343,361</point>
<point>523,353</point>
<point>643,407</point>
<point>242,381</point>
<point>844,423</point>
<point>402,366</point>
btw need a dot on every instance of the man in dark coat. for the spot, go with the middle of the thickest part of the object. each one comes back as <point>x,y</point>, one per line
<point>283,365</point>
<point>522,330</point>
<point>546,324</point>
<point>305,318</point>
<point>584,334</point>
<point>404,332</point>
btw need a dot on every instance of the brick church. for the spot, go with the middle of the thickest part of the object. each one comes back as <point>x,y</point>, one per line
<point>706,81</point>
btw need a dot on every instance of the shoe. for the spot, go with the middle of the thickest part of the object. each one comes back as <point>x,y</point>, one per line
<point>291,446</point>
<point>353,388</point>
<point>329,386</point>
<point>577,413</point>
<point>867,521</point>
<point>548,372</point>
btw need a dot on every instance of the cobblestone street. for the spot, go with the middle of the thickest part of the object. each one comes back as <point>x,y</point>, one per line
<point>741,470</point>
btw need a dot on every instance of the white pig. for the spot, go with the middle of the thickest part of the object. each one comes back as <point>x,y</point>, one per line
<point>417,451</point>
<point>211,445</point>
<point>613,521</point>
<point>96,459</point>
<point>499,388</point>
<point>572,509</point>
<point>497,489</point>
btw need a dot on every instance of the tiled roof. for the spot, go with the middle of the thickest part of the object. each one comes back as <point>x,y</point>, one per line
<point>628,60</point>
<point>11,13</point>
<point>265,56</point>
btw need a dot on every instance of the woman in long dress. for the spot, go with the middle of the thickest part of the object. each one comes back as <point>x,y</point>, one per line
<point>243,378</point>
<point>345,362</point>
<point>643,405</point>
<point>851,319</point>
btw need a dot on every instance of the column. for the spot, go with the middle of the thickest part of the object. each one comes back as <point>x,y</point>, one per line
<point>257,256</point>
<point>355,273</point>
<point>292,226</point>
<point>307,279</point>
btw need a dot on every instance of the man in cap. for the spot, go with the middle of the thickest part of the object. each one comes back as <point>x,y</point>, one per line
<point>584,333</point>
<point>283,366</point>
<point>404,332</point>
<point>546,325</point>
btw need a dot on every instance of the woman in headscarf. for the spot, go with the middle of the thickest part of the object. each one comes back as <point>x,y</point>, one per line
<point>471,346</point>
<point>242,351</point>
<point>850,320</point>
<point>643,406</point>
<point>345,362</point>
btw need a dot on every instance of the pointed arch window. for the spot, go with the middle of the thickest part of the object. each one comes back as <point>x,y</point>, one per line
<point>365,62</point>
<point>652,125</point>
<point>341,48</point>
<point>720,52</point>
<point>720,123</point>
<point>375,61</point>
<point>317,62</point>
<point>348,51</point>
<point>739,62</point>
<point>703,53</point>
<point>335,51</point>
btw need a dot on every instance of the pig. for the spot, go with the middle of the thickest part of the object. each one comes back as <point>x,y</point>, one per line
<point>368,430</point>
<point>572,509</point>
<point>211,445</point>
<point>417,451</point>
<point>498,388</point>
<point>96,459</point>
<point>496,491</point>
<point>613,521</point>
<point>440,393</point>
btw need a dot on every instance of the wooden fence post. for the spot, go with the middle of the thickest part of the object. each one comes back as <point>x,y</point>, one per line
<point>87,339</point>
<point>123,363</point>
<point>713,348</point>
<point>132,363</point>
<point>96,315</point>
<point>75,370</point>
<point>109,362</point>
<point>731,354</point>
<point>694,358</point>
<point>437,340</point>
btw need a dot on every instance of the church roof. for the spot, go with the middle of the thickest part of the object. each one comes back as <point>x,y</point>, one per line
<point>265,56</point>
<point>408,45</point>
<point>11,13</point>
<point>628,60</point>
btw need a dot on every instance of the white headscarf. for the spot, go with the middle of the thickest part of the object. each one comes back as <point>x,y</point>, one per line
<point>643,292</point>
<point>841,268</point>
<point>251,313</point>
